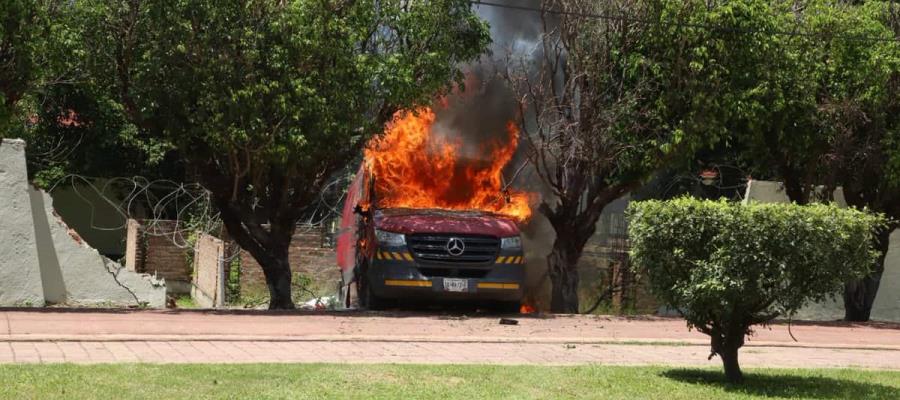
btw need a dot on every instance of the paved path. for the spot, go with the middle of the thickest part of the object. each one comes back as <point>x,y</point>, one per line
<point>240,337</point>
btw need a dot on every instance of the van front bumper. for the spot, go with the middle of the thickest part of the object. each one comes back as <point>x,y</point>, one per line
<point>397,275</point>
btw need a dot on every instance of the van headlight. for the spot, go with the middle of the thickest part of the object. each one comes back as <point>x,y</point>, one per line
<point>511,243</point>
<point>392,239</point>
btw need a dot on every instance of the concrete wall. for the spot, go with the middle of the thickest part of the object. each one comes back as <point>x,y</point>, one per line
<point>63,266</point>
<point>20,274</point>
<point>209,272</point>
<point>887,302</point>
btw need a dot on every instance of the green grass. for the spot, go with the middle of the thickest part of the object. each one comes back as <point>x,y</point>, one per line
<point>185,302</point>
<point>316,381</point>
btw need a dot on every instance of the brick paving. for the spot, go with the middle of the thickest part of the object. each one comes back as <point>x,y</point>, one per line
<point>231,352</point>
<point>53,336</point>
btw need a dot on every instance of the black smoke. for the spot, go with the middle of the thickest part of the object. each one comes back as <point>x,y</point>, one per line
<point>479,112</point>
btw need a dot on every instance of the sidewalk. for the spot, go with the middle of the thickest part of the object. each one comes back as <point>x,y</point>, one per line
<point>94,336</point>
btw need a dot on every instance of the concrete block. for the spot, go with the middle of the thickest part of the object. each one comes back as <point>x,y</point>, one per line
<point>208,284</point>
<point>20,274</point>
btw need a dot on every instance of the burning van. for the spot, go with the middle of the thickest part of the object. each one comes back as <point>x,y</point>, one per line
<point>420,223</point>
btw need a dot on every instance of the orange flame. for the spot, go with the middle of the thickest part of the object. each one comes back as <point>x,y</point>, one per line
<point>415,168</point>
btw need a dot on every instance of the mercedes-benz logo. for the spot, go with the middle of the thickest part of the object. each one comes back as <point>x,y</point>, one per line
<point>455,246</point>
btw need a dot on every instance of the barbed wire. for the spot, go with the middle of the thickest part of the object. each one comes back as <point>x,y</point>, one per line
<point>175,210</point>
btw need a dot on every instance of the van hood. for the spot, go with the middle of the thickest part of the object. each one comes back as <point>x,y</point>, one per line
<point>411,221</point>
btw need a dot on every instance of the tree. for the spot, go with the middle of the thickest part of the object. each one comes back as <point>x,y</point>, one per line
<point>25,26</point>
<point>823,108</point>
<point>265,100</point>
<point>607,102</point>
<point>76,129</point>
<point>859,114</point>
<point>727,266</point>
<point>767,84</point>
<point>44,98</point>
<point>807,93</point>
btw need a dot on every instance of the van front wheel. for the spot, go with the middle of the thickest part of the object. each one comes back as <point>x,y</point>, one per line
<point>367,299</point>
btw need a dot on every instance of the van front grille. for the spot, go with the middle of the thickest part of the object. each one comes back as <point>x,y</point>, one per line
<point>433,249</point>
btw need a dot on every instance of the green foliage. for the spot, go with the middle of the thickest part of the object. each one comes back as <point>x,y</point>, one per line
<point>233,281</point>
<point>265,101</point>
<point>70,124</point>
<point>816,104</point>
<point>185,302</point>
<point>859,107</point>
<point>289,84</point>
<point>24,27</point>
<point>808,107</point>
<point>727,264</point>
<point>80,130</point>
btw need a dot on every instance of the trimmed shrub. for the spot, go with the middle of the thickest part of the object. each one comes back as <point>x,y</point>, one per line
<point>728,266</point>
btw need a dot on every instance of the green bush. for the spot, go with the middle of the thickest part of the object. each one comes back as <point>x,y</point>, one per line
<point>727,266</point>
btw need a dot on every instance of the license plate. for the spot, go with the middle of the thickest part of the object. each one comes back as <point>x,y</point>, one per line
<point>456,285</point>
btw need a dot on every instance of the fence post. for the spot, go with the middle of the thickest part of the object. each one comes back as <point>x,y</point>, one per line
<point>220,279</point>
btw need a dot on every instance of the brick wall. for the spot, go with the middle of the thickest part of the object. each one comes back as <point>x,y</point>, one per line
<point>307,256</point>
<point>208,278</point>
<point>159,248</point>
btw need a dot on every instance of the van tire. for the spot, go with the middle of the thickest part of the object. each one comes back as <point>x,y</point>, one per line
<point>367,299</point>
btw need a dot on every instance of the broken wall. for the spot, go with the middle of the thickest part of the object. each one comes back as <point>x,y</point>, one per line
<point>208,288</point>
<point>158,247</point>
<point>43,261</point>
<point>20,273</point>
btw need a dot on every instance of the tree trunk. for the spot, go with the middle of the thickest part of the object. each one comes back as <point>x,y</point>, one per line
<point>276,267</point>
<point>278,280</point>
<point>729,355</point>
<point>726,345</point>
<point>277,271</point>
<point>564,279</point>
<point>791,177</point>
<point>269,246</point>
<point>859,295</point>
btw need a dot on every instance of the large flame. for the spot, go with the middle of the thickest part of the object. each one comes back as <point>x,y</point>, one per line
<point>415,168</point>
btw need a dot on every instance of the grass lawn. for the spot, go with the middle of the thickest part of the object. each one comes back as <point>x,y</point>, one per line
<point>317,381</point>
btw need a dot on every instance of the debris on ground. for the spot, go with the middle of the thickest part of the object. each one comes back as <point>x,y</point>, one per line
<point>320,303</point>
<point>508,321</point>
<point>453,317</point>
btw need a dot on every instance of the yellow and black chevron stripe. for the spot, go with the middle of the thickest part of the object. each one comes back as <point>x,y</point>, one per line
<point>393,255</point>
<point>510,260</point>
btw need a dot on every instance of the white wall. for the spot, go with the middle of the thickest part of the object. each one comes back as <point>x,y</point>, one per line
<point>20,275</point>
